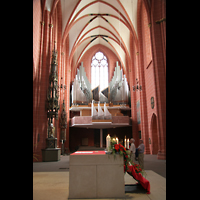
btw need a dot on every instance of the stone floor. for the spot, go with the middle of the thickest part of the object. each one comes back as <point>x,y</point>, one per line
<point>51,179</point>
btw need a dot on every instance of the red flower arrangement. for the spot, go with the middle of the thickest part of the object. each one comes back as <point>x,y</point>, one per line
<point>130,167</point>
<point>122,151</point>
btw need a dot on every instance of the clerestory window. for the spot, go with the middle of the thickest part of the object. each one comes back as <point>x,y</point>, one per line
<point>99,71</point>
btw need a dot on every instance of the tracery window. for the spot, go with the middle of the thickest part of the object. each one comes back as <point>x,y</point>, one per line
<point>99,71</point>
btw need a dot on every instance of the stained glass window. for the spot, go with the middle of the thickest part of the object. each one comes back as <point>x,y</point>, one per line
<point>99,71</point>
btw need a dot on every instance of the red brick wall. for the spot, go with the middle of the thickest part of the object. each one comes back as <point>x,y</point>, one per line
<point>43,43</point>
<point>44,37</point>
<point>67,72</point>
<point>37,17</point>
<point>148,70</point>
<point>141,75</point>
<point>152,73</point>
<point>158,36</point>
<point>39,97</point>
<point>132,77</point>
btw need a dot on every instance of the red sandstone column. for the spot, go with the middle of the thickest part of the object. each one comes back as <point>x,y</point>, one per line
<point>143,104</point>
<point>158,52</point>
<point>132,77</point>
<point>42,81</point>
<point>67,73</point>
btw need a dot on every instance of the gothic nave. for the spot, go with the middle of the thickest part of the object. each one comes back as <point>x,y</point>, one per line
<point>109,51</point>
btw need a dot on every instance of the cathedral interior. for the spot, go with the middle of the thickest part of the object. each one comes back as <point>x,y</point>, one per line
<point>99,68</point>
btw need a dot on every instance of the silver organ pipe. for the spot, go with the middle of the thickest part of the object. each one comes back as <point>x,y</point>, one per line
<point>103,98</point>
<point>107,114</point>
<point>100,112</point>
<point>118,88</point>
<point>81,88</point>
<point>94,113</point>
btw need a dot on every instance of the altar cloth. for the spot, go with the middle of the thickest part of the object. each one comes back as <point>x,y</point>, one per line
<point>88,152</point>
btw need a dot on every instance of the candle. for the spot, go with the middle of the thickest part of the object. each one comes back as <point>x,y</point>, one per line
<point>128,143</point>
<point>125,142</point>
<point>108,142</point>
<point>117,140</point>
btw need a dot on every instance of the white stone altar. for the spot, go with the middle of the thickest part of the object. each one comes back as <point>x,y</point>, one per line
<point>96,175</point>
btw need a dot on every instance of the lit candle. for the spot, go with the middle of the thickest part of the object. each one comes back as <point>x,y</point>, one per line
<point>125,142</point>
<point>108,142</point>
<point>117,140</point>
<point>128,143</point>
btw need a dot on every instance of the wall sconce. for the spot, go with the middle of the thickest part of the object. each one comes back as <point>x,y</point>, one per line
<point>61,86</point>
<point>137,87</point>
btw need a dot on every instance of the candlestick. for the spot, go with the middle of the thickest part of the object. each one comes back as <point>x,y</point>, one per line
<point>108,142</point>
<point>117,140</point>
<point>125,142</point>
<point>128,143</point>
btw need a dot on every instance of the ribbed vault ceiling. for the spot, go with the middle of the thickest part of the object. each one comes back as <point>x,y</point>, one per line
<point>91,22</point>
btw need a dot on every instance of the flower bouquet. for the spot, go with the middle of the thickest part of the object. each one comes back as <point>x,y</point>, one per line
<point>130,167</point>
<point>120,149</point>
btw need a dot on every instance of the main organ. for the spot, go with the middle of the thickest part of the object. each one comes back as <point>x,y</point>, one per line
<point>116,93</point>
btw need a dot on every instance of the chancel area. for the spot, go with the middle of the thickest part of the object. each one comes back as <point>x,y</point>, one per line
<point>99,69</point>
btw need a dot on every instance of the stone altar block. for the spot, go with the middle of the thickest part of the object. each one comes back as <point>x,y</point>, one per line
<point>94,174</point>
